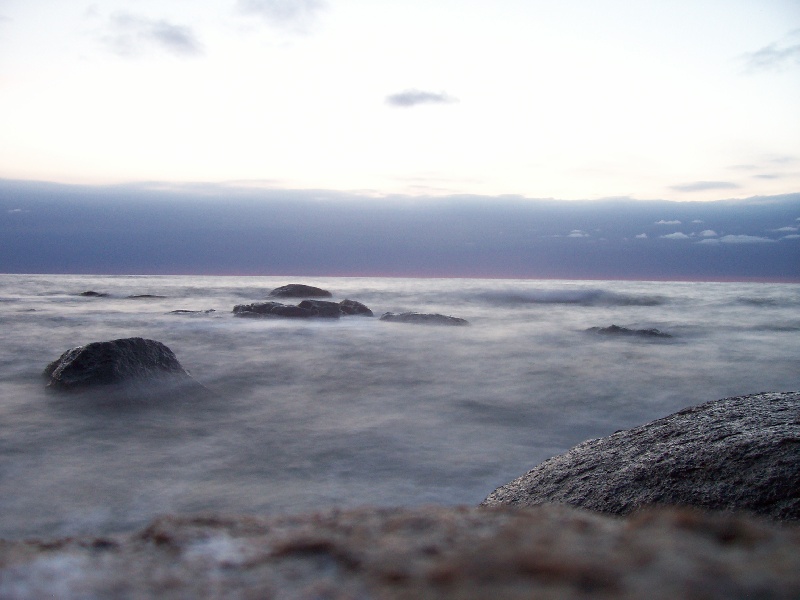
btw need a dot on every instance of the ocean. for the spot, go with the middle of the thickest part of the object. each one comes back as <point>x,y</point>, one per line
<point>306,415</point>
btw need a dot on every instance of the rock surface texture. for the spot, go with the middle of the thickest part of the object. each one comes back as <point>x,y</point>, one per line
<point>542,552</point>
<point>124,361</point>
<point>617,330</point>
<point>740,453</point>
<point>422,318</point>
<point>298,290</point>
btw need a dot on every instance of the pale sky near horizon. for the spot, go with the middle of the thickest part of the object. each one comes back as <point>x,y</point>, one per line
<point>577,99</point>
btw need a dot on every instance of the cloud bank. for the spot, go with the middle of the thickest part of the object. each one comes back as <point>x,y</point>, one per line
<point>703,186</point>
<point>409,98</point>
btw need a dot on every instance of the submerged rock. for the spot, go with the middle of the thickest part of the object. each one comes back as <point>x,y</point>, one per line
<point>117,362</point>
<point>351,307</point>
<point>272,309</point>
<point>92,294</point>
<point>739,453</point>
<point>427,552</point>
<point>298,290</point>
<point>182,311</point>
<point>617,330</point>
<point>423,318</point>
<point>144,296</point>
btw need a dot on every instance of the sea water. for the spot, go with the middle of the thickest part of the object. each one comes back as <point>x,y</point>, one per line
<point>306,415</point>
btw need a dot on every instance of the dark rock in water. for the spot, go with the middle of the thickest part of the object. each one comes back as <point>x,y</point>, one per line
<point>617,330</point>
<point>272,309</point>
<point>738,453</point>
<point>144,296</point>
<point>191,312</point>
<point>91,294</point>
<point>351,307</point>
<point>324,308</point>
<point>422,318</point>
<point>124,361</point>
<point>298,290</point>
<point>446,553</point>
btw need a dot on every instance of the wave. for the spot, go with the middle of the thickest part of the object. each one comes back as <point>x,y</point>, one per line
<point>591,297</point>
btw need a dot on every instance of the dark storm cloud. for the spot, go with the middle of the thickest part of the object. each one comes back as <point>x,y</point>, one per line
<point>702,186</point>
<point>196,229</point>
<point>775,56</point>
<point>295,15</point>
<point>409,98</point>
<point>130,35</point>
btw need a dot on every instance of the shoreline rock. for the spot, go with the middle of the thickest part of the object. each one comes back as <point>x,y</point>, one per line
<point>299,290</point>
<point>617,330</point>
<point>429,552</point>
<point>423,319</point>
<point>739,453</point>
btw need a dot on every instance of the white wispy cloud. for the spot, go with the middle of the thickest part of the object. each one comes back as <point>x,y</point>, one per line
<point>665,222</point>
<point>703,186</point>
<point>641,236</point>
<point>409,98</point>
<point>130,35</point>
<point>776,56</point>
<point>675,236</point>
<point>708,233</point>
<point>293,15</point>
<point>738,239</point>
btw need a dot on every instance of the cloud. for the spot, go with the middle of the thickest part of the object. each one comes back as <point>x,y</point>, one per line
<point>775,56</point>
<point>16,211</point>
<point>786,229</point>
<point>641,236</point>
<point>131,35</point>
<point>702,186</point>
<point>675,236</point>
<point>708,233</point>
<point>295,15</point>
<point>697,221</point>
<point>793,236</point>
<point>768,176</point>
<point>739,239</point>
<point>409,98</point>
<point>577,233</point>
<point>663,222</point>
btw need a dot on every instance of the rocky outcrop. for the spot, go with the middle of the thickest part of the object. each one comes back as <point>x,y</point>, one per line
<point>352,307</point>
<point>298,290</point>
<point>617,330</point>
<point>123,362</point>
<point>541,552</point>
<point>739,453</point>
<point>422,318</point>
<point>306,309</point>
<point>93,294</point>
<point>323,308</point>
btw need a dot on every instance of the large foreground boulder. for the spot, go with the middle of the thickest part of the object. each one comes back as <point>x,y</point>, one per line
<point>543,552</point>
<point>298,290</point>
<point>123,362</point>
<point>422,318</point>
<point>739,453</point>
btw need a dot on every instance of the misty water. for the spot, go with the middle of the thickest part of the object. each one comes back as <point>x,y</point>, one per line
<point>313,414</point>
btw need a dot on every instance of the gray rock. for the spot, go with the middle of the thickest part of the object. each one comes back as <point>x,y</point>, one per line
<point>330,310</point>
<point>128,361</point>
<point>352,307</point>
<point>422,553</point>
<point>92,294</point>
<point>273,309</point>
<point>422,318</point>
<point>739,453</point>
<point>617,330</point>
<point>298,290</point>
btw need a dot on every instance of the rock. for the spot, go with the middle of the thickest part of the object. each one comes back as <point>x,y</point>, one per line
<point>330,310</point>
<point>445,552</point>
<point>272,309</point>
<point>144,296</point>
<point>739,453</point>
<point>617,330</point>
<point>118,362</point>
<point>422,318</point>
<point>182,311</point>
<point>91,294</point>
<point>351,307</point>
<point>298,290</point>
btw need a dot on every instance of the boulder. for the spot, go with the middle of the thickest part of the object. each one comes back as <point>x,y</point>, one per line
<point>92,294</point>
<point>422,318</point>
<point>351,307</point>
<point>330,310</point>
<point>117,362</point>
<point>617,330</point>
<point>740,453</point>
<point>272,309</point>
<point>429,552</point>
<point>298,290</point>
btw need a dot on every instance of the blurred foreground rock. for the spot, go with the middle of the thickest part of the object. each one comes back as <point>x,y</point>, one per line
<point>422,318</point>
<point>542,552</point>
<point>740,453</point>
<point>132,362</point>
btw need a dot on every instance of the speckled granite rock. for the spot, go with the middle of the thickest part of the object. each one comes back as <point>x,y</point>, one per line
<point>739,453</point>
<point>542,552</point>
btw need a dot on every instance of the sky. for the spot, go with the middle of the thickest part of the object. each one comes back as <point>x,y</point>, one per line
<point>570,100</point>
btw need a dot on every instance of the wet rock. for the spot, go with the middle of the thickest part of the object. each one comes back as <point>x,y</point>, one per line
<point>617,330</point>
<point>330,310</point>
<point>181,311</point>
<point>422,318</point>
<point>272,309</point>
<point>92,294</point>
<point>352,307</point>
<point>433,552</point>
<point>739,453</point>
<point>298,290</point>
<point>118,362</point>
<point>144,296</point>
